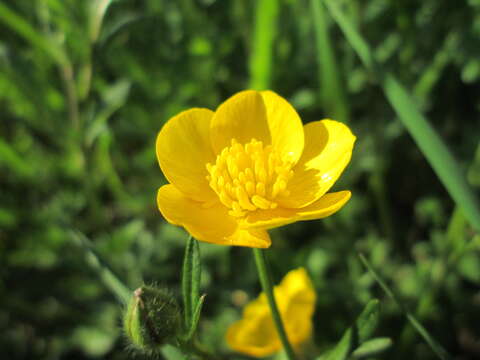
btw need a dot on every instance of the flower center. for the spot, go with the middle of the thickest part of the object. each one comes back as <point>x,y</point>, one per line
<point>249,177</point>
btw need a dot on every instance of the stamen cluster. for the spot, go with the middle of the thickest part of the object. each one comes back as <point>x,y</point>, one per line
<point>249,177</point>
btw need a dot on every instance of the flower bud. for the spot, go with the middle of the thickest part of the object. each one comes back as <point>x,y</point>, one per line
<point>152,319</point>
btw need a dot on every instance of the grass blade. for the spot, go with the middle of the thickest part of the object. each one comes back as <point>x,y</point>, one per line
<point>436,347</point>
<point>424,135</point>
<point>262,45</point>
<point>331,88</point>
<point>356,41</point>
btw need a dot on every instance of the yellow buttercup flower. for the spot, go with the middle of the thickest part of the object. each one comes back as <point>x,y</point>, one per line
<point>255,333</point>
<point>248,167</point>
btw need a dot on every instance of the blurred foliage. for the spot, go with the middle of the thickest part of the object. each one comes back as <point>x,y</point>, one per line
<point>86,85</point>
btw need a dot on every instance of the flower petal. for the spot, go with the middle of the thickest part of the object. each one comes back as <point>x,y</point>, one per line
<point>241,117</point>
<point>323,207</point>
<point>254,238</point>
<point>210,224</point>
<point>255,335</point>
<point>328,149</point>
<point>285,125</point>
<point>184,149</point>
<point>298,287</point>
<point>298,312</point>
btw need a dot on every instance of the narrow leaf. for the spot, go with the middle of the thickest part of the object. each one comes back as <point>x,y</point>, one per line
<point>99,9</point>
<point>424,135</point>
<point>116,27</point>
<point>342,349</point>
<point>261,60</point>
<point>190,280</point>
<point>195,318</point>
<point>331,87</point>
<point>196,276</point>
<point>372,347</point>
<point>436,347</point>
<point>368,320</point>
<point>361,330</point>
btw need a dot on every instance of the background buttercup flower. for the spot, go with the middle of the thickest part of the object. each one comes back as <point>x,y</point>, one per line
<point>248,167</point>
<point>255,333</point>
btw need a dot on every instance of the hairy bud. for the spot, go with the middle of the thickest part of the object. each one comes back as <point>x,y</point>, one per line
<point>152,318</point>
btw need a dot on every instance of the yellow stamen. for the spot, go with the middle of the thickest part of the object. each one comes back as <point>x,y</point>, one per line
<point>260,202</point>
<point>249,177</point>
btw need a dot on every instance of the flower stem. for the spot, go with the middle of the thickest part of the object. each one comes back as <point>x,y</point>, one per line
<point>266,281</point>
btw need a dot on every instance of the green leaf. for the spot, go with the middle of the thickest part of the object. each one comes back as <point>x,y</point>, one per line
<point>116,27</point>
<point>424,135</point>
<point>195,318</point>
<point>436,347</point>
<point>331,88</point>
<point>98,11</point>
<point>368,320</point>
<point>469,267</point>
<point>372,347</point>
<point>261,60</point>
<point>474,170</point>
<point>342,349</point>
<point>363,328</point>
<point>191,276</point>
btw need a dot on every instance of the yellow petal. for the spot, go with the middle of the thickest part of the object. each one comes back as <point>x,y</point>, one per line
<point>210,224</point>
<point>328,149</point>
<point>254,238</point>
<point>298,312</point>
<point>254,336</point>
<point>255,333</point>
<point>299,328</point>
<point>241,117</point>
<point>257,308</point>
<point>323,207</point>
<point>285,125</point>
<point>298,286</point>
<point>184,149</point>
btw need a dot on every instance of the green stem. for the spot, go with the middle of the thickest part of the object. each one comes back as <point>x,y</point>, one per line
<point>106,275</point>
<point>266,281</point>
